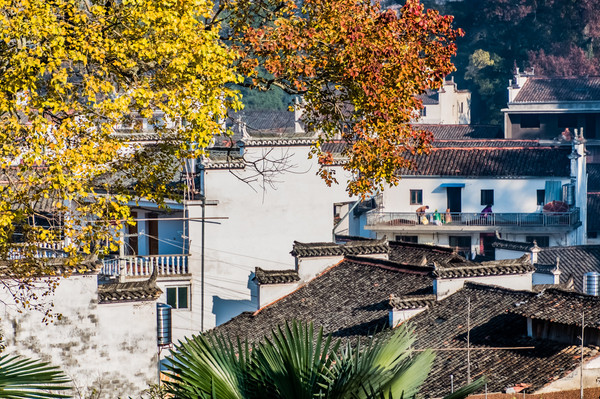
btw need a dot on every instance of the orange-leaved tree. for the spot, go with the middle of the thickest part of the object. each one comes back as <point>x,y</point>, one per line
<point>359,69</point>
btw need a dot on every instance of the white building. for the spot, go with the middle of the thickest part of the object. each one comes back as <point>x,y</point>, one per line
<point>446,106</point>
<point>105,339</point>
<point>457,183</point>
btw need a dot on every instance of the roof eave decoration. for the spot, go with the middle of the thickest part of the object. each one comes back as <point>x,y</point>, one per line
<point>133,291</point>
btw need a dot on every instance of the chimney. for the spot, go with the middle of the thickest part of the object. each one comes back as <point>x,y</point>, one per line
<point>556,271</point>
<point>535,250</point>
<point>298,111</point>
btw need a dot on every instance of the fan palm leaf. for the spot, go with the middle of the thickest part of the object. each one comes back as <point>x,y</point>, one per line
<point>26,378</point>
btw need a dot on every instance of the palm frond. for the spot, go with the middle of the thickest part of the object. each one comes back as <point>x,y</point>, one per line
<point>26,378</point>
<point>295,362</point>
<point>208,365</point>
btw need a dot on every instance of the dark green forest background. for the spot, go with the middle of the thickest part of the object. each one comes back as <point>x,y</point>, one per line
<point>555,37</point>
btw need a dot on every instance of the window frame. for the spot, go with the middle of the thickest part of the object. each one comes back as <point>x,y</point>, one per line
<point>529,121</point>
<point>410,239</point>
<point>419,197</point>
<point>178,289</point>
<point>541,193</point>
<point>485,193</point>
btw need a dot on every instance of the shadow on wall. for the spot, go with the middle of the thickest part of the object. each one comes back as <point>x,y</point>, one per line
<point>226,309</point>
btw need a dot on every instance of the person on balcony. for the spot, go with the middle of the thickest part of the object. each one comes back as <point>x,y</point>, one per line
<point>486,212</point>
<point>421,214</point>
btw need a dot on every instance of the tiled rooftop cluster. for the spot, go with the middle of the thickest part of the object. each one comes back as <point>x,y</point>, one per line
<point>349,300</point>
<point>493,326</point>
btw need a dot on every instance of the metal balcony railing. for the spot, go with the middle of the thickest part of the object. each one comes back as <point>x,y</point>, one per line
<point>382,219</point>
<point>143,266</point>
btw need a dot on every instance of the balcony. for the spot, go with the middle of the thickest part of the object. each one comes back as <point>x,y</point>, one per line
<point>462,221</point>
<point>143,266</point>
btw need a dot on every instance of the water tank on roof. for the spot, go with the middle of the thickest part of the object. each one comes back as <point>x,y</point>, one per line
<point>569,193</point>
<point>591,282</point>
<point>163,324</point>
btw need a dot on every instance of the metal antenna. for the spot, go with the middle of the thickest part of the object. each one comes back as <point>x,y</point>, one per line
<point>581,363</point>
<point>468,340</point>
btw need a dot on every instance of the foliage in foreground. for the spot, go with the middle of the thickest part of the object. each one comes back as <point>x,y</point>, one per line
<point>26,378</point>
<point>297,362</point>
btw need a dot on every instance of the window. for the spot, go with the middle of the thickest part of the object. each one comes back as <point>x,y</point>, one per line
<point>542,241</point>
<point>541,197</point>
<point>592,234</point>
<point>178,297</point>
<point>411,239</point>
<point>463,243</point>
<point>567,120</point>
<point>462,108</point>
<point>530,121</point>
<point>487,197</point>
<point>416,197</point>
<point>424,111</point>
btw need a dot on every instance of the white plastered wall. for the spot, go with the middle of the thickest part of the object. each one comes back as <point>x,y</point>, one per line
<point>110,348</point>
<point>444,287</point>
<point>257,227</point>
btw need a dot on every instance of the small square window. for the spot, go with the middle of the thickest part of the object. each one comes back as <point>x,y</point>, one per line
<point>487,197</point>
<point>178,297</point>
<point>416,197</point>
<point>541,197</point>
<point>567,120</point>
<point>530,121</point>
<point>410,239</point>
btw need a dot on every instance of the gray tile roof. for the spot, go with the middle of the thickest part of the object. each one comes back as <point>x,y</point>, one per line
<point>593,170</point>
<point>430,97</point>
<point>574,262</point>
<point>462,132</point>
<point>559,89</point>
<point>275,276</point>
<point>492,162</point>
<point>490,268</point>
<point>444,326</point>
<point>485,143</point>
<point>359,247</point>
<point>563,307</point>
<point>512,245</point>
<point>422,254</point>
<point>349,300</point>
<point>128,291</point>
<point>593,212</point>
<point>411,301</point>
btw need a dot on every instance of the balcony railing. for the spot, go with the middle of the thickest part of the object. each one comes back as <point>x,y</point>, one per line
<point>143,266</point>
<point>556,219</point>
<point>42,250</point>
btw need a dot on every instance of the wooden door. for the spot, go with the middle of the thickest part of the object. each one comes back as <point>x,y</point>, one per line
<point>152,234</point>
<point>454,198</point>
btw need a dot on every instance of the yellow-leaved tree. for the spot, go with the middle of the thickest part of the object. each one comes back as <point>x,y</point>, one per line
<point>71,72</point>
